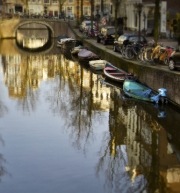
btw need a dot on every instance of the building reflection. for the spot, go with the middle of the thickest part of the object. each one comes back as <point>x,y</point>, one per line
<point>23,71</point>
<point>146,144</point>
<point>136,138</point>
<point>34,43</point>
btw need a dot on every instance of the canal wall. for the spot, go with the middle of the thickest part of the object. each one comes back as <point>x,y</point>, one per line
<point>154,76</point>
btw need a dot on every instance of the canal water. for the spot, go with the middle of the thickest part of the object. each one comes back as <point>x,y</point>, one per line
<point>66,129</point>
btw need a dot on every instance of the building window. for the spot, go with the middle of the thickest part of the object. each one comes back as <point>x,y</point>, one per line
<point>56,13</point>
<point>54,1</point>
<point>69,11</point>
<point>85,10</point>
<point>46,1</point>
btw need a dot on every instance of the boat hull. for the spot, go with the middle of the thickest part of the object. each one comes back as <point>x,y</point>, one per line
<point>97,65</point>
<point>86,55</point>
<point>116,74</point>
<point>139,91</point>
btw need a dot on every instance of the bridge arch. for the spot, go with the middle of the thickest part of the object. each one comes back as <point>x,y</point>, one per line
<point>50,29</point>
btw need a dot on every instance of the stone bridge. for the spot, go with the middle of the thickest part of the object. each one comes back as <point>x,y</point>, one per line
<point>8,28</point>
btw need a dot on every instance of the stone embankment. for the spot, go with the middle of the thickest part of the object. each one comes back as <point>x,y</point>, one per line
<point>155,76</point>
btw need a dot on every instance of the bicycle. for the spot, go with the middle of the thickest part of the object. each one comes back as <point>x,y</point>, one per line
<point>160,54</point>
<point>132,50</point>
<point>85,34</point>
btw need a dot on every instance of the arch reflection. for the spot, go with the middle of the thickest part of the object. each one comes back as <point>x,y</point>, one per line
<point>33,36</point>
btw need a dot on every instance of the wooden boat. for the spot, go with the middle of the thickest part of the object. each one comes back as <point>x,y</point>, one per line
<point>97,64</point>
<point>116,74</point>
<point>59,38</point>
<point>72,44</point>
<point>76,49</point>
<point>63,40</point>
<point>137,90</point>
<point>87,55</point>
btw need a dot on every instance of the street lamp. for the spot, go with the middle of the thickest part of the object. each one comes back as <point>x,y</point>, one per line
<point>97,15</point>
<point>77,15</point>
<point>139,9</point>
<point>144,15</point>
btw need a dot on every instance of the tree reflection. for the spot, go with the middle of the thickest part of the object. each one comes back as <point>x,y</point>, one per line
<point>72,97</point>
<point>28,104</point>
<point>2,161</point>
<point>3,109</point>
<point>113,154</point>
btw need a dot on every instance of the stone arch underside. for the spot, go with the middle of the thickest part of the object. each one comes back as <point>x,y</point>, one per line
<point>50,29</point>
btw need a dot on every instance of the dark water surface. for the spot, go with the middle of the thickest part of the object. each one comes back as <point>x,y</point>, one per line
<point>63,129</point>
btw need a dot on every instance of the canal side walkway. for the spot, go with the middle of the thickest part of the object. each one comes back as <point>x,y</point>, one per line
<point>162,41</point>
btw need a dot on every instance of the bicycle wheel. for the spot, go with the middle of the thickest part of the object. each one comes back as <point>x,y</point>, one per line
<point>129,53</point>
<point>164,57</point>
<point>140,55</point>
<point>147,54</point>
<point>166,60</point>
<point>85,34</point>
<point>122,51</point>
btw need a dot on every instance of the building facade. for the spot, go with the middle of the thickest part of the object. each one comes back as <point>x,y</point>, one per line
<point>127,14</point>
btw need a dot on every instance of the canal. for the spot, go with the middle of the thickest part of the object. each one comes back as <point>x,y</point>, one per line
<point>66,129</point>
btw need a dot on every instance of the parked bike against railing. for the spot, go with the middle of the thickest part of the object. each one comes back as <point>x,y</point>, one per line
<point>156,54</point>
<point>132,50</point>
<point>88,32</point>
<point>85,33</point>
<point>145,53</point>
<point>164,55</point>
<point>92,32</point>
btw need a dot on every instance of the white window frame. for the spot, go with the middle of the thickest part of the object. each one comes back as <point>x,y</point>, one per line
<point>71,1</point>
<point>54,1</point>
<point>46,1</point>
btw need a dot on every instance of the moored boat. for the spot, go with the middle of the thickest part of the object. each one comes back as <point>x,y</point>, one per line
<point>76,49</point>
<point>71,44</point>
<point>63,40</point>
<point>59,38</point>
<point>87,55</point>
<point>116,74</point>
<point>137,90</point>
<point>97,64</point>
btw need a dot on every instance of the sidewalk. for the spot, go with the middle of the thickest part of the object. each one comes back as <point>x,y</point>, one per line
<point>163,41</point>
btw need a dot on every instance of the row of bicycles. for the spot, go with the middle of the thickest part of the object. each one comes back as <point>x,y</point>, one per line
<point>88,32</point>
<point>149,53</point>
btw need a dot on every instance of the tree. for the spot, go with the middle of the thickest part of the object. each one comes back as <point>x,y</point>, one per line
<point>82,10</point>
<point>116,3</point>
<point>156,21</point>
<point>77,15</point>
<point>92,12</point>
<point>61,2</point>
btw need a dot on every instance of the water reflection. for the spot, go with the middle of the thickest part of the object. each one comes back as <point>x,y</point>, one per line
<point>33,43</point>
<point>3,111</point>
<point>140,149</point>
<point>32,36</point>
